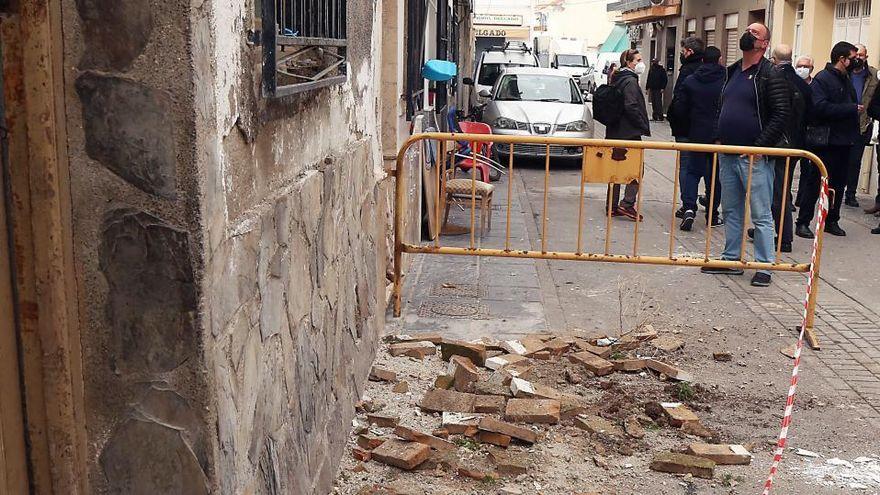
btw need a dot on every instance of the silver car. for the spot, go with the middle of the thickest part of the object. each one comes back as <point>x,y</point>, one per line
<point>539,102</point>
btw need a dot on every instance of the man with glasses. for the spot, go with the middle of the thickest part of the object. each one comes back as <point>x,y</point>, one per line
<point>755,106</point>
<point>836,110</point>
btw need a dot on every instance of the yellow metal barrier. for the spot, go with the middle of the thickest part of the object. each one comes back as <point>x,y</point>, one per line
<point>603,161</point>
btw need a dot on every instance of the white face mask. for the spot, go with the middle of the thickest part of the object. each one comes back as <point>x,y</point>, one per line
<point>802,72</point>
<point>639,68</point>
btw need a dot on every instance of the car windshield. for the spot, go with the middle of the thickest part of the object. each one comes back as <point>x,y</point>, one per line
<point>572,60</point>
<point>537,87</point>
<point>489,72</point>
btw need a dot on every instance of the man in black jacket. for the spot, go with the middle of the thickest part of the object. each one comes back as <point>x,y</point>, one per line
<point>633,124</point>
<point>755,107</point>
<point>678,115</point>
<point>835,107</point>
<point>656,84</point>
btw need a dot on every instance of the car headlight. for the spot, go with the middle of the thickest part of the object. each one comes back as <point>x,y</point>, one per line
<point>504,123</point>
<point>577,126</point>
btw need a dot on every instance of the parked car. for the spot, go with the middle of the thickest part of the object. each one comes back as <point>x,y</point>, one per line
<point>539,102</point>
<point>492,63</point>
<point>579,68</point>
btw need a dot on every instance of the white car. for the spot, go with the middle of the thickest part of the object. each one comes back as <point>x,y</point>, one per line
<point>528,101</point>
<point>492,63</point>
<point>579,68</point>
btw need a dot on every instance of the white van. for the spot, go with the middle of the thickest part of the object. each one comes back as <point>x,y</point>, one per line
<point>493,62</point>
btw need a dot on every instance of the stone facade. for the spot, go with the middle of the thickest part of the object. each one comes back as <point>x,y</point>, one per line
<point>230,249</point>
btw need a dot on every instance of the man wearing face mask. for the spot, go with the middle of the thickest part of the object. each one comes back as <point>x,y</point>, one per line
<point>864,80</point>
<point>678,114</point>
<point>804,69</point>
<point>836,111</point>
<point>633,124</point>
<point>755,108</point>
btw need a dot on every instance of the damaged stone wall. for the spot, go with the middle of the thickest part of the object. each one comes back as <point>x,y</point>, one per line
<point>229,249</point>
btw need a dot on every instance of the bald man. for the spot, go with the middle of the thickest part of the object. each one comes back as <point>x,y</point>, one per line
<point>864,81</point>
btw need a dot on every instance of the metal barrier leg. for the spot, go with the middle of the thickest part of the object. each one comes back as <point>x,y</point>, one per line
<point>399,196</point>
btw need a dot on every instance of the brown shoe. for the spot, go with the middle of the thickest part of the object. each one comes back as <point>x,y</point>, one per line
<point>873,210</point>
<point>631,213</point>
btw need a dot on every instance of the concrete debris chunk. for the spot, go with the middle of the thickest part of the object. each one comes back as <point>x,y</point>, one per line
<point>493,438</point>
<point>380,374</point>
<point>514,347</point>
<point>404,455</point>
<point>495,384</point>
<point>598,426</point>
<point>434,338</point>
<point>544,411</point>
<point>463,372</point>
<point>508,462</point>
<point>475,352</point>
<point>668,462</point>
<point>722,454</point>
<point>492,404</point>
<point>429,440</point>
<point>440,400</point>
<point>498,362</point>
<point>383,420</point>
<point>521,388</point>
<point>670,371</point>
<point>667,343</point>
<point>592,362</point>
<point>418,350</point>
<point>488,423</point>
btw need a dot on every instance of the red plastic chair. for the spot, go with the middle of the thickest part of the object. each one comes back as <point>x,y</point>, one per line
<point>484,149</point>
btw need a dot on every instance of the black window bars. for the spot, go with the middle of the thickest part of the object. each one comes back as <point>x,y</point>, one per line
<point>304,45</point>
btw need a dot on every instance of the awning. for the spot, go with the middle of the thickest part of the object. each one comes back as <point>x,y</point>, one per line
<point>617,40</point>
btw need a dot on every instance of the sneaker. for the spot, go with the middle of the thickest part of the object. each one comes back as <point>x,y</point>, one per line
<point>688,221</point>
<point>631,213</point>
<point>703,200</point>
<point>717,220</point>
<point>804,231</point>
<point>679,213</point>
<point>751,233</point>
<point>721,271</point>
<point>834,229</point>
<point>786,247</point>
<point>851,201</point>
<point>761,279</point>
<point>876,230</point>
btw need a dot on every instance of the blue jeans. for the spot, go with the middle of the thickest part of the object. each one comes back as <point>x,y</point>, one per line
<point>698,166</point>
<point>734,171</point>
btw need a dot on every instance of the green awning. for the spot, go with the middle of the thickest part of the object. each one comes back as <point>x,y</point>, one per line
<point>617,40</point>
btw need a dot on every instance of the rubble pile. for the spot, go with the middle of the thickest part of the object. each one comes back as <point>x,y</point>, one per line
<point>494,402</point>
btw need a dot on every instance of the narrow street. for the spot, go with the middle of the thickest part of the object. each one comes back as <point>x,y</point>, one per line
<point>741,399</point>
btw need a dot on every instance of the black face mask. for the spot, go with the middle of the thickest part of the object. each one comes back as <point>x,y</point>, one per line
<point>856,64</point>
<point>747,42</point>
<point>682,58</point>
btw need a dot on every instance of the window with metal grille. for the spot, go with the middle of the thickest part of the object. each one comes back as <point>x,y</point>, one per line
<point>304,45</point>
<point>840,13</point>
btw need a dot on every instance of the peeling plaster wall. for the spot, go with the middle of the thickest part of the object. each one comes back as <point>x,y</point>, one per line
<point>229,249</point>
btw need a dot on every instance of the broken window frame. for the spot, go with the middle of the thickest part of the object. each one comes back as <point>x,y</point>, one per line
<point>299,28</point>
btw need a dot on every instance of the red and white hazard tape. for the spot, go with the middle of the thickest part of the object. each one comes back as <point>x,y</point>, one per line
<point>789,402</point>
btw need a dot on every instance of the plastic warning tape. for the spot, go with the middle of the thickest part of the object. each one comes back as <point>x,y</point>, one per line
<point>789,402</point>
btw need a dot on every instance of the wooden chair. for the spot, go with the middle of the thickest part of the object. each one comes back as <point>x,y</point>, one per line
<point>460,191</point>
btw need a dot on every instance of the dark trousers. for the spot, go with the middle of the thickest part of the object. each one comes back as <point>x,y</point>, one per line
<point>877,153</point>
<point>699,166</point>
<point>780,187</point>
<point>656,104</point>
<point>855,169</point>
<point>809,175</point>
<point>836,160</point>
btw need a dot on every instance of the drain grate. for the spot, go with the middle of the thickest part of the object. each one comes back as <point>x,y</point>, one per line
<point>453,308</point>
<point>460,290</point>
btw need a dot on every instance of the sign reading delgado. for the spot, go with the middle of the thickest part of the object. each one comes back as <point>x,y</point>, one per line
<point>498,19</point>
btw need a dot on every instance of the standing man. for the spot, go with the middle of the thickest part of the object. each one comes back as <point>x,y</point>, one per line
<point>874,113</point>
<point>864,80</point>
<point>755,107</point>
<point>633,124</point>
<point>691,58</point>
<point>804,69</point>
<point>701,93</point>
<point>656,84</point>
<point>836,110</point>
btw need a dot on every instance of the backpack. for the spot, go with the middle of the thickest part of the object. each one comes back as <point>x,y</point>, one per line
<point>608,104</point>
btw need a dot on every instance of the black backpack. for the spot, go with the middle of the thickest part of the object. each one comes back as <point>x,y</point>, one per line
<point>608,104</point>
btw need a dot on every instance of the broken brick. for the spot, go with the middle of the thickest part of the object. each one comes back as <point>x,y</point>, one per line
<point>379,374</point>
<point>400,388</point>
<point>492,404</point>
<point>592,362</point>
<point>498,362</point>
<point>460,424</point>
<point>418,350</point>
<point>444,382</point>
<point>463,372</point>
<point>491,424</point>
<point>629,364</point>
<point>667,343</point>
<point>441,433</point>
<point>475,352</point>
<point>477,474</point>
<point>570,409</point>
<point>434,338</point>
<point>514,347</point>
<point>722,357</point>
<point>545,411</point>
<point>646,333</point>
<point>541,355</point>
<point>722,454</point>
<point>509,463</point>
<point>493,385</point>
<point>697,429</point>
<point>429,440</point>
<point>668,462</point>
<point>678,414</point>
<point>788,352</point>
<point>583,345</point>
<point>361,455</point>
<point>382,420</point>
<point>558,346</point>
<point>493,438</point>
<point>404,455</point>
<point>598,426</point>
<point>670,371</point>
<point>440,400</point>
<point>633,428</point>
<point>369,442</point>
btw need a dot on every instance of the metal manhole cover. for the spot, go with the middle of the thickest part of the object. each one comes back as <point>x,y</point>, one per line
<point>453,308</point>
<point>460,290</point>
